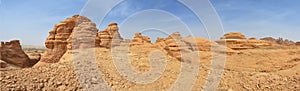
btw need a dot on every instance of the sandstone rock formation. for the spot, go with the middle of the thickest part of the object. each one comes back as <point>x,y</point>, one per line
<point>202,44</point>
<point>12,53</point>
<point>279,41</point>
<point>83,36</point>
<point>77,32</point>
<point>110,36</point>
<point>160,43</point>
<point>34,57</point>
<point>57,39</point>
<point>140,40</point>
<point>174,45</point>
<point>258,43</point>
<point>177,46</point>
<point>234,35</point>
<point>238,41</point>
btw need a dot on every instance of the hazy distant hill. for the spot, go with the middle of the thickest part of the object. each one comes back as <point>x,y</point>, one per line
<point>33,47</point>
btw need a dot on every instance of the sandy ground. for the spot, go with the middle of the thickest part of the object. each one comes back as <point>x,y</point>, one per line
<point>269,68</point>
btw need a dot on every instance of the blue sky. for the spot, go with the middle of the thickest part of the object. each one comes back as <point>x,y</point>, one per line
<point>31,20</point>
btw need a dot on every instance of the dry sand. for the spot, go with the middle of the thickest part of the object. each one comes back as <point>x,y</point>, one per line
<point>269,68</point>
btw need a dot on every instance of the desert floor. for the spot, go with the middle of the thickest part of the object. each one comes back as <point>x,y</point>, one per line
<point>268,68</point>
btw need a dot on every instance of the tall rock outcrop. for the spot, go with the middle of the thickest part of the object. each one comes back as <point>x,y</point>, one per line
<point>56,42</point>
<point>84,36</point>
<point>110,36</point>
<point>12,53</point>
<point>77,32</point>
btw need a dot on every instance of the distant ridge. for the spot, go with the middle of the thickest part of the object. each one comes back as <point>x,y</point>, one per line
<point>33,47</point>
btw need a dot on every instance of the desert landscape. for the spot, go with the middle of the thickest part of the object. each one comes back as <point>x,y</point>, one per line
<point>76,52</point>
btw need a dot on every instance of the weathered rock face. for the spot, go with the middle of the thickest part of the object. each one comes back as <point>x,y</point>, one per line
<point>12,53</point>
<point>173,45</point>
<point>238,41</point>
<point>238,44</point>
<point>234,35</point>
<point>34,57</point>
<point>110,36</point>
<point>57,39</point>
<point>160,43</point>
<point>83,36</point>
<point>200,43</point>
<point>140,40</point>
<point>179,47</point>
<point>77,32</point>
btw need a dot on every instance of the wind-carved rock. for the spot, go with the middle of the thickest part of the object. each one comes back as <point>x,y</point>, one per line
<point>238,41</point>
<point>160,43</point>
<point>140,40</point>
<point>173,45</point>
<point>12,53</point>
<point>234,35</point>
<point>56,42</point>
<point>200,44</point>
<point>83,36</point>
<point>34,57</point>
<point>110,36</point>
<point>177,46</point>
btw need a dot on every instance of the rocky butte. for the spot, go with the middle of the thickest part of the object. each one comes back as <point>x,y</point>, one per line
<point>56,43</point>
<point>77,32</point>
<point>238,41</point>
